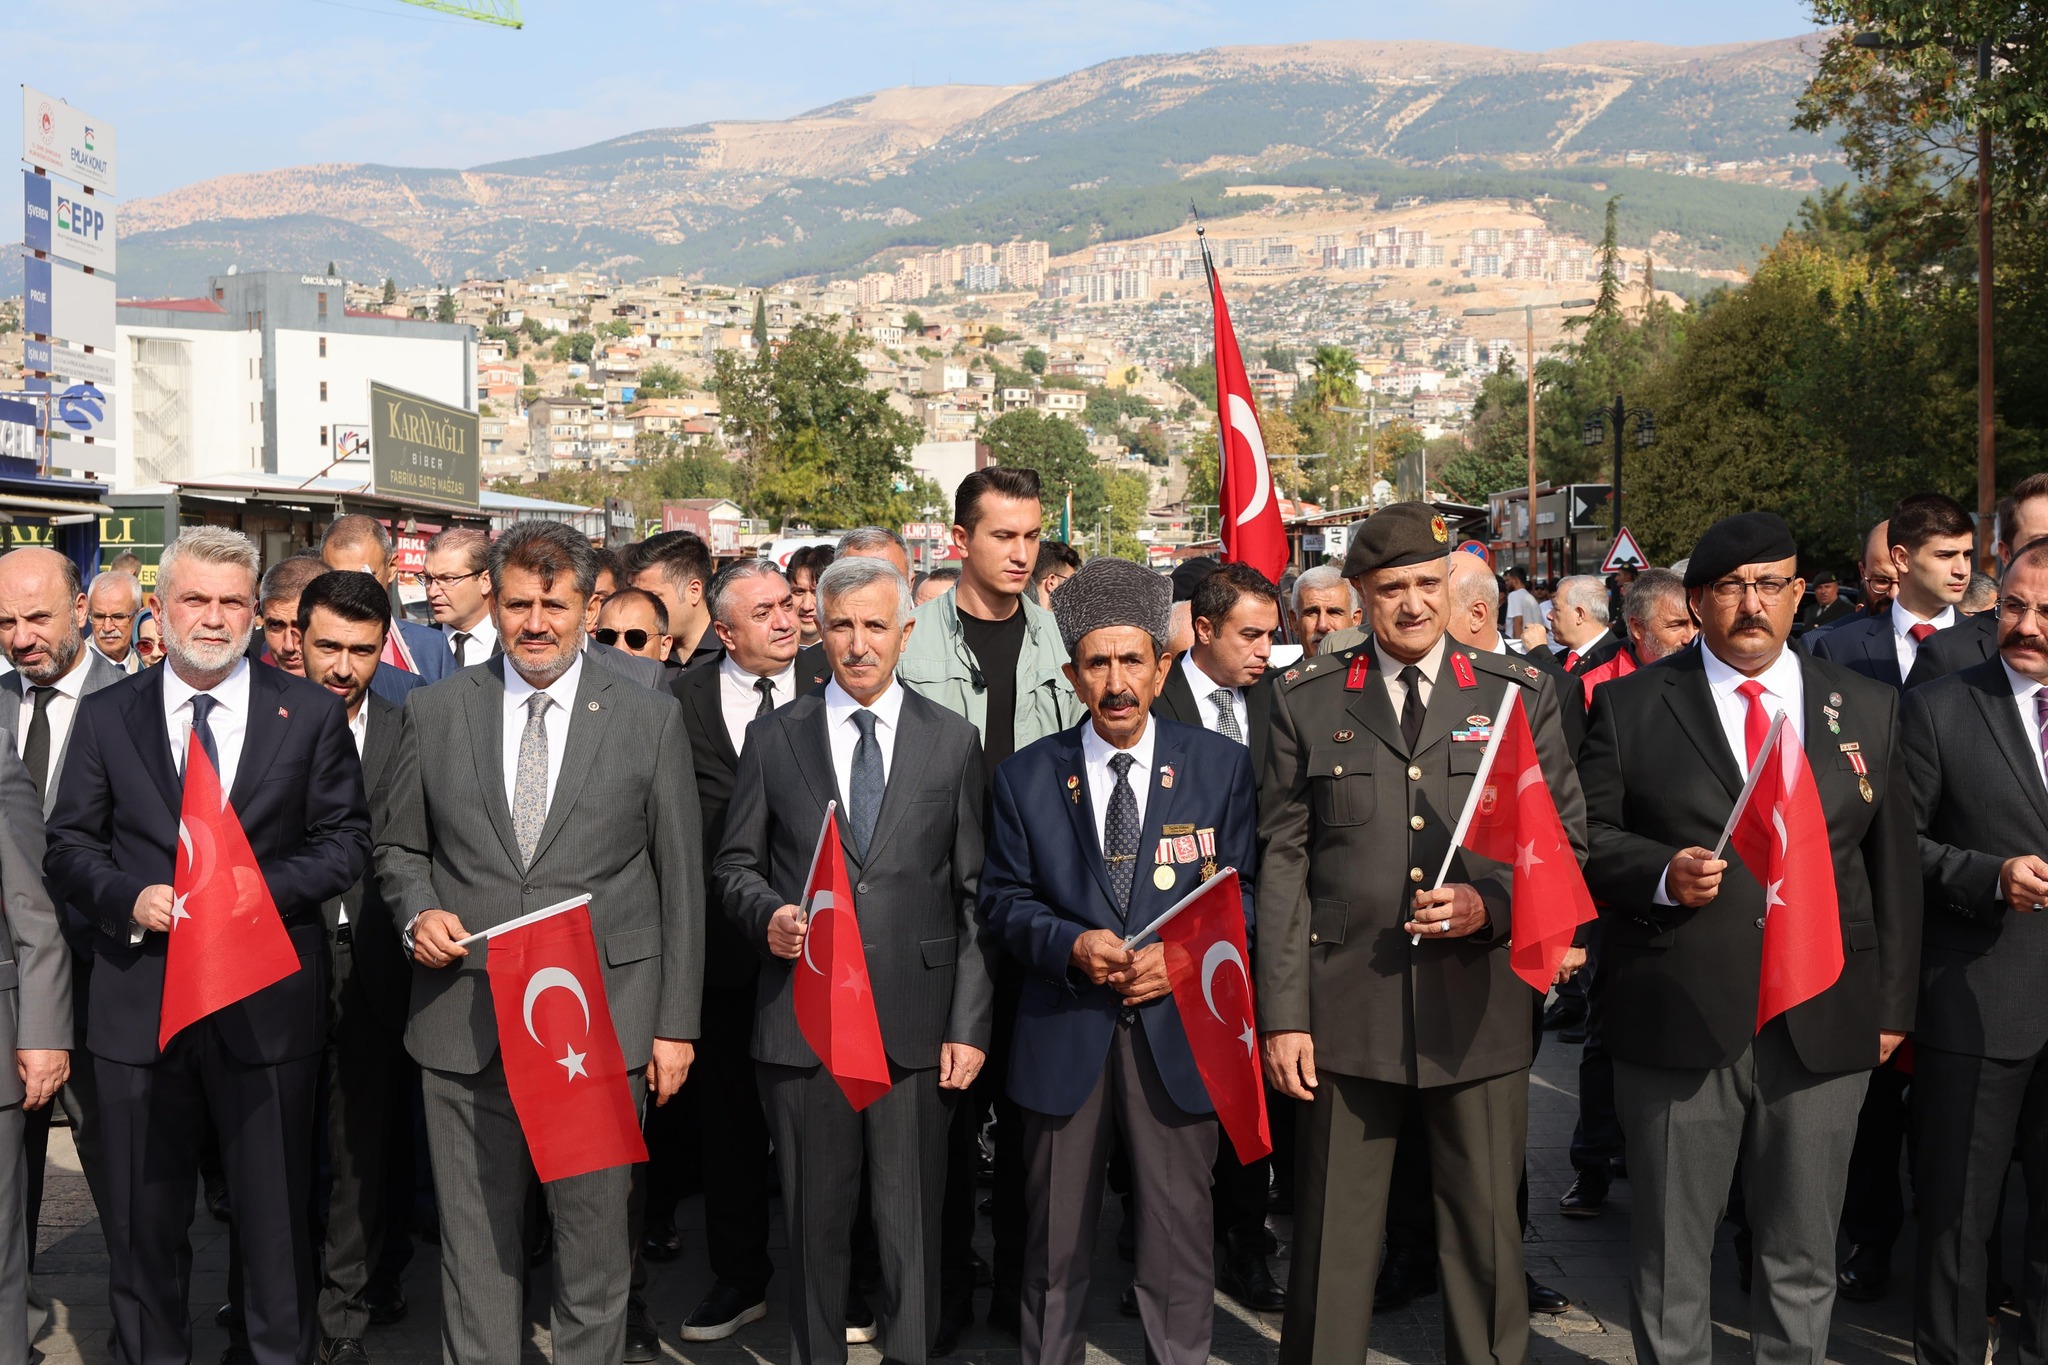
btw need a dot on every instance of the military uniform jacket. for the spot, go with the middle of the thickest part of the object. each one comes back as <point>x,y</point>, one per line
<point>1352,823</point>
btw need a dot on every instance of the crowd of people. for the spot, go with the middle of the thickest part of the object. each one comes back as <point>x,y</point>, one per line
<point>1028,759</point>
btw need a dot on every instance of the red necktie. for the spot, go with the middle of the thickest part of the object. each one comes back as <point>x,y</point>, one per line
<point>1571,661</point>
<point>1920,632</point>
<point>1756,725</point>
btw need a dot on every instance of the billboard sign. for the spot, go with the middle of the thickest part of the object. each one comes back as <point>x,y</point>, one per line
<point>78,457</point>
<point>46,357</point>
<point>81,409</point>
<point>66,141</point>
<point>69,304</point>
<point>422,450</point>
<point>59,221</point>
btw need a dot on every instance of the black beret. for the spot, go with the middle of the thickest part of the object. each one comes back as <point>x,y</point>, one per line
<point>1112,592</point>
<point>1731,542</point>
<point>1189,573</point>
<point>1824,576</point>
<point>1394,537</point>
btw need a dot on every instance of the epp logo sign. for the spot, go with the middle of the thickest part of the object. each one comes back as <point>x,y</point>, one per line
<point>73,227</point>
<point>80,219</point>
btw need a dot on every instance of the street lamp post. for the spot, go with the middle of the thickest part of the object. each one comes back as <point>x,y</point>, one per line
<point>1614,421</point>
<point>1529,367</point>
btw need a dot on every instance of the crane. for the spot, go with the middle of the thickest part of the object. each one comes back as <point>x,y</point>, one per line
<point>502,12</point>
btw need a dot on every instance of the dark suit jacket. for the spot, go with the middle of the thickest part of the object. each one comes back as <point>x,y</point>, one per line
<point>1977,789</point>
<point>1605,648</point>
<point>394,684</point>
<point>1176,701</point>
<point>1866,645</point>
<point>1045,885</point>
<point>298,791</point>
<point>730,961</point>
<point>429,649</point>
<point>1967,643</point>
<point>1682,984</point>
<point>914,893</point>
<point>1568,688</point>
<point>380,961</point>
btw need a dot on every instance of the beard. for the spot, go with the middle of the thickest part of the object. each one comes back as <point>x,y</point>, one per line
<point>204,656</point>
<point>58,657</point>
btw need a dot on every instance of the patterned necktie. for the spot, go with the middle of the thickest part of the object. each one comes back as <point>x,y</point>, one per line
<point>530,780</point>
<point>2041,720</point>
<point>766,687</point>
<point>1120,832</point>
<point>1226,714</point>
<point>1756,726</point>
<point>864,793</point>
<point>461,648</point>
<point>1411,709</point>
<point>202,707</point>
<point>35,751</point>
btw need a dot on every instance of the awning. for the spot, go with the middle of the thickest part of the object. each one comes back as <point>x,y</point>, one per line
<point>15,504</point>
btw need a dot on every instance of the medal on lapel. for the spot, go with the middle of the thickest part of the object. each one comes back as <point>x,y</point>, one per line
<point>1162,877</point>
<point>1206,840</point>
<point>1074,790</point>
<point>1855,756</point>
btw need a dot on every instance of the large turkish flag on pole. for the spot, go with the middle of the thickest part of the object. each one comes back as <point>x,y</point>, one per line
<point>563,1064</point>
<point>227,941</point>
<point>1249,514</point>
<point>835,1004</point>
<point>1781,835</point>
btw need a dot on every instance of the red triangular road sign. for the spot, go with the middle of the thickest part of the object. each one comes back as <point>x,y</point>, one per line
<point>1624,554</point>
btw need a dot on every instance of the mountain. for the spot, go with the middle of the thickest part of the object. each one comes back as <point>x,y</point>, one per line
<point>1112,151</point>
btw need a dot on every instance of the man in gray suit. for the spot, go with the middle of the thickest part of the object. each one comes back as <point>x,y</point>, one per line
<point>35,1029</point>
<point>530,780</point>
<point>906,773</point>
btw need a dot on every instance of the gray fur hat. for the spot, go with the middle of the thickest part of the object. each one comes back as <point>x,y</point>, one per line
<point>1113,592</point>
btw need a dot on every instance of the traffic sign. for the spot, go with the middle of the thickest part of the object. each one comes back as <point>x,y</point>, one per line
<point>1624,554</point>
<point>1477,547</point>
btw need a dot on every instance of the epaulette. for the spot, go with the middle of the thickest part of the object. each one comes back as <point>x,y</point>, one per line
<point>1511,666</point>
<point>1319,666</point>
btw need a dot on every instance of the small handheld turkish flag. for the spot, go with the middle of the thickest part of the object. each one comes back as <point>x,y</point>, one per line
<point>1212,987</point>
<point>563,1064</point>
<point>835,1004</point>
<point>1781,834</point>
<point>1252,531</point>
<point>226,941</point>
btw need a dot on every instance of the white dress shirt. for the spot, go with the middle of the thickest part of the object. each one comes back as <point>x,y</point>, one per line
<point>229,721</point>
<point>562,694</point>
<point>1566,651</point>
<point>1390,673</point>
<point>359,725</point>
<point>2024,691</point>
<point>842,734</point>
<point>1903,622</point>
<point>483,640</point>
<point>1200,684</point>
<point>63,708</point>
<point>1095,755</point>
<point>739,703</point>
<point>130,665</point>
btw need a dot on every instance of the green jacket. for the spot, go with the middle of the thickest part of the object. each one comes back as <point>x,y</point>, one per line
<point>938,666</point>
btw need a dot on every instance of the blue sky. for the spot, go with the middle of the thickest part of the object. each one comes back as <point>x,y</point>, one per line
<point>198,88</point>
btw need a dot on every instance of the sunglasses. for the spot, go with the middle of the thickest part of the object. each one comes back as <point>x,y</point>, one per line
<point>635,639</point>
<point>147,646</point>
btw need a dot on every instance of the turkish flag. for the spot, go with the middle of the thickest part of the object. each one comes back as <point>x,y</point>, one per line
<point>835,1004</point>
<point>563,1065</point>
<point>1207,964</point>
<point>1252,531</point>
<point>396,652</point>
<point>1514,820</point>
<point>227,941</point>
<point>1781,835</point>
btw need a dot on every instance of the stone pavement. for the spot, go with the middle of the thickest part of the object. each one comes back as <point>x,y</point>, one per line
<point>1587,1260</point>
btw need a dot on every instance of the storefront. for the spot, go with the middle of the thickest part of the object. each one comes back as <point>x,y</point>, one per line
<point>64,514</point>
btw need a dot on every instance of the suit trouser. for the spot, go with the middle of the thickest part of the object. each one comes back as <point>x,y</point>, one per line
<point>14,1239</point>
<point>1475,1135</point>
<point>80,1102</point>
<point>481,1175</point>
<point>155,1121</point>
<point>732,1141</point>
<point>988,1095</point>
<point>1873,1205</point>
<point>823,1148</point>
<point>1967,1114</point>
<point>1686,1127</point>
<point>1066,1163</point>
<point>1596,1138</point>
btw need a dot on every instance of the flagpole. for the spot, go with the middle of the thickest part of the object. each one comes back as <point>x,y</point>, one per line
<point>1749,784</point>
<point>831,810</point>
<point>1183,903</point>
<point>525,920</point>
<point>1500,729</point>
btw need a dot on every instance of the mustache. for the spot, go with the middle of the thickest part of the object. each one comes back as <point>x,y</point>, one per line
<point>2019,639</point>
<point>1119,699</point>
<point>1753,621</point>
<point>860,660</point>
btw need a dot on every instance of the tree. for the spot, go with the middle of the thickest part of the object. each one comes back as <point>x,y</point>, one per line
<point>660,380</point>
<point>761,321</point>
<point>527,375</point>
<point>994,336</point>
<point>1034,360</point>
<point>444,307</point>
<point>618,329</point>
<point>575,346</point>
<point>1333,378</point>
<point>1055,448</point>
<point>330,269</point>
<point>1278,358</point>
<point>390,291</point>
<point>913,321</point>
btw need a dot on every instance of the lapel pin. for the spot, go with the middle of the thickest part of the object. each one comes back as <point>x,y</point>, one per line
<point>1834,699</point>
<point>1166,777</point>
<point>1074,790</point>
<point>593,706</point>
<point>1344,736</point>
<point>283,714</point>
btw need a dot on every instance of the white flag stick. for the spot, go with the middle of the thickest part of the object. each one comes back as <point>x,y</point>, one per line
<point>1500,729</point>
<point>524,920</point>
<point>1756,770</point>
<point>831,809</point>
<point>1183,903</point>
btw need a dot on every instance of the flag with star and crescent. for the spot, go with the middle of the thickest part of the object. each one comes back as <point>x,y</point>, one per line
<point>227,941</point>
<point>563,1065</point>
<point>835,1001</point>
<point>1207,964</point>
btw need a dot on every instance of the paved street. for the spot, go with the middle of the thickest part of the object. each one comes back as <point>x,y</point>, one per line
<point>1587,1260</point>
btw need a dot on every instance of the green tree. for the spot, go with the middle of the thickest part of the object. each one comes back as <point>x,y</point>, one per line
<point>575,346</point>
<point>1278,358</point>
<point>1333,378</point>
<point>444,307</point>
<point>390,291</point>
<point>1055,448</point>
<point>994,336</point>
<point>330,269</point>
<point>660,380</point>
<point>1034,360</point>
<point>761,321</point>
<point>527,375</point>
<point>913,321</point>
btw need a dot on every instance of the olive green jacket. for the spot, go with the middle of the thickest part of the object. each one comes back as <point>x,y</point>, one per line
<point>938,666</point>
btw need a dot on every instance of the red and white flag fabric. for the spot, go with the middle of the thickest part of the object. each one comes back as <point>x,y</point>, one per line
<point>397,653</point>
<point>1252,532</point>
<point>835,1003</point>
<point>1781,834</point>
<point>227,941</point>
<point>563,1065</point>
<point>1212,987</point>
<point>1512,818</point>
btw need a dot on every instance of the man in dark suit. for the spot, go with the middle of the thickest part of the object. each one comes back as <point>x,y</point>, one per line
<point>341,623</point>
<point>293,779</point>
<point>526,781</point>
<point>1078,823</point>
<point>458,584</point>
<point>1222,684</point>
<point>905,773</point>
<point>279,644</point>
<point>1697,1084</point>
<point>1827,605</point>
<point>754,613</point>
<point>1974,746</point>
<point>360,543</point>
<point>2022,520</point>
<point>1579,618</point>
<point>1931,540</point>
<point>676,567</point>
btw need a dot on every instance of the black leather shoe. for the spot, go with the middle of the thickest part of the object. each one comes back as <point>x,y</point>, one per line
<point>1245,1276</point>
<point>1573,1034</point>
<point>643,1343</point>
<point>217,1202</point>
<point>386,1308</point>
<point>661,1244</point>
<point>227,1317</point>
<point>1587,1198</point>
<point>345,1351</point>
<point>1544,1299</point>
<point>1866,1276</point>
<point>1563,1012</point>
<point>955,1316</point>
<point>1127,1302</point>
<point>238,1355</point>
<point>1005,1313</point>
<point>1404,1277</point>
<point>726,1309</point>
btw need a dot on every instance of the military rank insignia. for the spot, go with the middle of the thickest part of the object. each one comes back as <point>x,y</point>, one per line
<point>1354,677</point>
<point>1461,669</point>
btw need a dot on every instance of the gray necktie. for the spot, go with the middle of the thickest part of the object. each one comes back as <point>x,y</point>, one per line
<point>864,795</point>
<point>1120,832</point>
<point>530,780</point>
<point>1226,714</point>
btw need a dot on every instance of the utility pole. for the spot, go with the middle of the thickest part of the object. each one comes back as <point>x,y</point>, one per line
<point>1987,426</point>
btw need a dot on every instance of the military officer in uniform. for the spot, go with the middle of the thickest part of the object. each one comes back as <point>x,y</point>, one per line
<point>1379,990</point>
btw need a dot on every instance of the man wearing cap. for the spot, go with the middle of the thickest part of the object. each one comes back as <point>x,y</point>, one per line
<point>1094,833</point>
<point>1697,1084</point>
<point>1380,991</point>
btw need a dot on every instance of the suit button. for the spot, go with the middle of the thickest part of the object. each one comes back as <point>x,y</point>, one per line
<point>1337,771</point>
<point>1315,938</point>
<point>1415,822</point>
<point>862,888</point>
<point>526,891</point>
<point>1414,874</point>
<point>1415,774</point>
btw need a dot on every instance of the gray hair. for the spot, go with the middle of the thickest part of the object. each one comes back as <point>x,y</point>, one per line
<point>843,576</point>
<point>1981,595</point>
<point>719,589</point>
<point>114,578</point>
<point>1585,592</point>
<point>872,540</point>
<point>1320,577</point>
<point>207,545</point>
<point>1649,591</point>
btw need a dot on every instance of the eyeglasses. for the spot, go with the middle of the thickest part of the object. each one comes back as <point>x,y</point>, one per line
<point>147,646</point>
<point>1729,591</point>
<point>111,618</point>
<point>446,580</point>
<point>635,639</point>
